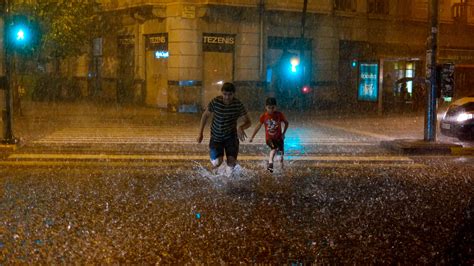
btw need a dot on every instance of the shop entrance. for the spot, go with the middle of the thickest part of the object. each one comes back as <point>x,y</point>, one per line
<point>125,71</point>
<point>217,70</point>
<point>289,62</point>
<point>156,71</point>
<point>218,64</point>
<point>403,89</point>
<point>156,80</point>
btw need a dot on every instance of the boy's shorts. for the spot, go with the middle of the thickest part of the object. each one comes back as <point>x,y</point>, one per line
<point>276,144</point>
<point>230,146</point>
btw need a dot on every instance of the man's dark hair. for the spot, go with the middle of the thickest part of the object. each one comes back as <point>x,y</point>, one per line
<point>229,87</point>
<point>271,101</point>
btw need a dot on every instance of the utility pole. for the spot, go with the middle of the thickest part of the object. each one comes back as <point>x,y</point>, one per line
<point>7,116</point>
<point>431,74</point>
<point>302,45</point>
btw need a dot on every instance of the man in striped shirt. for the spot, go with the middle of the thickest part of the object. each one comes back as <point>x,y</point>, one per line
<point>225,134</point>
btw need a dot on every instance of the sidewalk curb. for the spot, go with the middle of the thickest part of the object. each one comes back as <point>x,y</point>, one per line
<point>462,151</point>
<point>8,147</point>
<point>421,147</point>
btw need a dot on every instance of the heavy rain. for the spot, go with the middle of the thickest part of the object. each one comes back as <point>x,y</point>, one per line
<point>237,132</point>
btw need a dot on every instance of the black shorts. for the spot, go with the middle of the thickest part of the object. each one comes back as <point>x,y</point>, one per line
<point>276,144</point>
<point>230,146</point>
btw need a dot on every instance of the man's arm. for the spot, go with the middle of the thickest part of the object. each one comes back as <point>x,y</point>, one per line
<point>257,128</point>
<point>241,129</point>
<point>205,116</point>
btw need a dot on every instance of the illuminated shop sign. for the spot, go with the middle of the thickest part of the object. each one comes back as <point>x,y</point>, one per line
<point>368,82</point>
<point>128,40</point>
<point>157,42</point>
<point>217,42</point>
<point>162,54</point>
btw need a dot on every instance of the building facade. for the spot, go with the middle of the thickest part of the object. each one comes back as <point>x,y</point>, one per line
<point>366,54</point>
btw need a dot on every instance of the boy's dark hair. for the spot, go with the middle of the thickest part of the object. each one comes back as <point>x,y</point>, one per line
<point>271,101</point>
<point>229,87</point>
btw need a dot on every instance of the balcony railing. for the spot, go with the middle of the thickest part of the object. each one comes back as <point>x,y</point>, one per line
<point>463,12</point>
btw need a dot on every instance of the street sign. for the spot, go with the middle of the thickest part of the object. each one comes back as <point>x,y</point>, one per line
<point>368,82</point>
<point>446,80</point>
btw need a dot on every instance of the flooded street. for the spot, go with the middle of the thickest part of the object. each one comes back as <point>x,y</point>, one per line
<point>145,132</point>
<point>116,188</point>
<point>186,214</point>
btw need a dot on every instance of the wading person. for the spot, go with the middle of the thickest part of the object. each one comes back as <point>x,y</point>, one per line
<point>225,134</point>
<point>274,136</point>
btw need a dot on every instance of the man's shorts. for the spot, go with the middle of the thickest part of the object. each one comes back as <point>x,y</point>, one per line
<point>276,144</point>
<point>230,146</point>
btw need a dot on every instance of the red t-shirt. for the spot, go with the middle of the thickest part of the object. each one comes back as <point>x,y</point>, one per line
<point>272,124</point>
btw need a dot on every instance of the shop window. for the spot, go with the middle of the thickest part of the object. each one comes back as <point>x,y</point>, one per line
<point>378,7</point>
<point>345,5</point>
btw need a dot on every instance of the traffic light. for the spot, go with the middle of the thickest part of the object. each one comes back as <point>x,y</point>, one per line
<point>306,89</point>
<point>354,63</point>
<point>21,34</point>
<point>294,63</point>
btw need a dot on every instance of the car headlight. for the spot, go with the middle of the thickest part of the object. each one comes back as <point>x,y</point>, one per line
<point>463,117</point>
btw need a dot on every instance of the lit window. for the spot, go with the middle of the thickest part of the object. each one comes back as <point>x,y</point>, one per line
<point>345,5</point>
<point>378,7</point>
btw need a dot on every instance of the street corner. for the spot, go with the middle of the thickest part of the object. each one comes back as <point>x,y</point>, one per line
<point>8,146</point>
<point>421,147</point>
<point>462,151</point>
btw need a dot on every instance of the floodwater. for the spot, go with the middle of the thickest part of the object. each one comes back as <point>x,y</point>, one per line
<point>189,214</point>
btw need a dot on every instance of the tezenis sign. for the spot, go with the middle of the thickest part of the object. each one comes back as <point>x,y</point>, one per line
<point>218,42</point>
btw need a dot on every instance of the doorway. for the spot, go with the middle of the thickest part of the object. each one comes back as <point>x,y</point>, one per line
<point>156,78</point>
<point>125,71</point>
<point>218,68</point>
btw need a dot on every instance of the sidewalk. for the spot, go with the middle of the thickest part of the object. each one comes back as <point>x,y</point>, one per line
<point>40,119</point>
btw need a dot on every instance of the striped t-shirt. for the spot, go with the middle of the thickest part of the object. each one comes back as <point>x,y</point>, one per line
<point>224,123</point>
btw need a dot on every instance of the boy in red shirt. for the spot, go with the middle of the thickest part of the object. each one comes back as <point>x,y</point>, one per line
<point>273,134</point>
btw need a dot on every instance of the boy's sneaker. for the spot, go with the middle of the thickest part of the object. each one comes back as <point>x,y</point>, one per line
<point>270,167</point>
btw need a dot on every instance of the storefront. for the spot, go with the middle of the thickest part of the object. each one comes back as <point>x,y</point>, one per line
<point>156,70</point>
<point>382,77</point>
<point>218,63</point>
<point>125,71</point>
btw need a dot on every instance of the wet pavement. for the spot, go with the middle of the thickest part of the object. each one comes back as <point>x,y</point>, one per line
<point>183,213</point>
<point>111,184</point>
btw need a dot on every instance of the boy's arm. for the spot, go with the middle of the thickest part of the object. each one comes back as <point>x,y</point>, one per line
<point>240,130</point>
<point>257,128</point>
<point>286,126</point>
<point>205,116</point>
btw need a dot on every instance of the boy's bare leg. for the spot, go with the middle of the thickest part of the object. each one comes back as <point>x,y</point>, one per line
<point>216,163</point>
<point>281,159</point>
<point>270,160</point>
<point>272,155</point>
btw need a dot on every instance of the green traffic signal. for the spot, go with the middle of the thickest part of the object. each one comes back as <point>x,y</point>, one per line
<point>22,34</point>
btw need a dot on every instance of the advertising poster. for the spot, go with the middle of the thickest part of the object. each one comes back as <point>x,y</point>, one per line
<point>368,82</point>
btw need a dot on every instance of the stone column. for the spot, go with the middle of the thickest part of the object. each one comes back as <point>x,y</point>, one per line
<point>185,56</point>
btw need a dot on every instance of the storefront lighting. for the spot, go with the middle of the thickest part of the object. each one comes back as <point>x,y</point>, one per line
<point>161,54</point>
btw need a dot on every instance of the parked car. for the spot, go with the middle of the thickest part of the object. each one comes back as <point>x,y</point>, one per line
<point>459,119</point>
